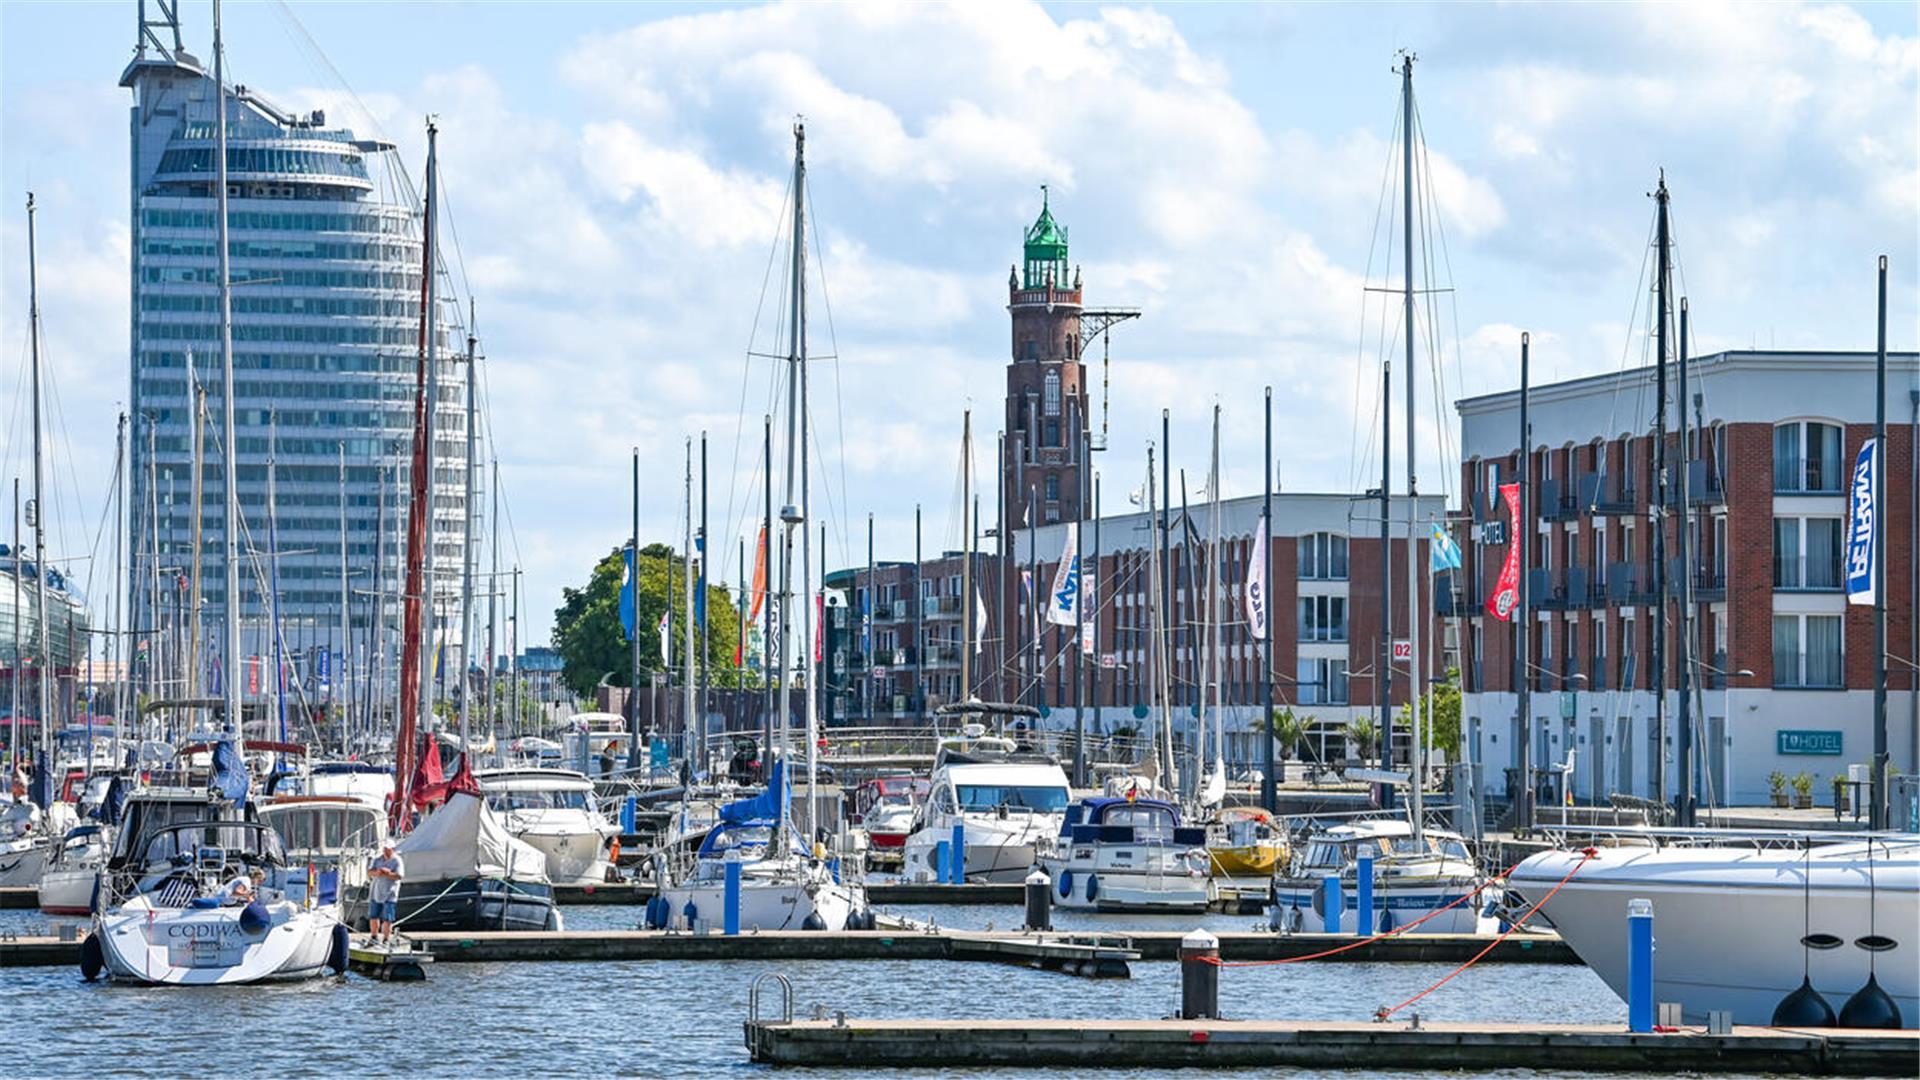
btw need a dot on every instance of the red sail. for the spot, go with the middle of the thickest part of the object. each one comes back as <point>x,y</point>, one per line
<point>417,510</point>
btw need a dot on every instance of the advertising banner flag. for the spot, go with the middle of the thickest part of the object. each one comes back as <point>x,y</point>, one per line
<point>1256,592</point>
<point>1064,597</point>
<point>1863,549</point>
<point>1506,590</point>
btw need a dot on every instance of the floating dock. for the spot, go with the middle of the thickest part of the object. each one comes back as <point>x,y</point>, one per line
<point>402,961</point>
<point>878,892</point>
<point>1240,1044</point>
<point>501,946</point>
<point>19,898</point>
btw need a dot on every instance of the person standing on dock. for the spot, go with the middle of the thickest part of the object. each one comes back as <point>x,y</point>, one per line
<point>383,879</point>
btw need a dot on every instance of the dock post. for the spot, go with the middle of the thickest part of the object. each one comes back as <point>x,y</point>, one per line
<point>1332,904</point>
<point>1640,966</point>
<point>1363,921</point>
<point>629,814</point>
<point>941,859</point>
<point>730,920</point>
<point>957,853</point>
<point>1039,900</point>
<point>1199,976</point>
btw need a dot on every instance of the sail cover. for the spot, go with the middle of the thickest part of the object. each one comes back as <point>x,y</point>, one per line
<point>462,839</point>
<point>229,772</point>
<point>766,806</point>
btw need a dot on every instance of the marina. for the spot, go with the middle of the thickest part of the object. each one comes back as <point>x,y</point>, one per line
<point>652,684</point>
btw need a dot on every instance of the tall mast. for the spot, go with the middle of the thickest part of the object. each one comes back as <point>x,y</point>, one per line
<point>1522,633</point>
<point>342,686</point>
<point>1213,611</point>
<point>694,726</point>
<point>493,594</point>
<point>466,551</point>
<point>230,449</point>
<point>424,481</point>
<point>699,608</point>
<point>42,773</point>
<point>1683,797</point>
<point>415,670</point>
<point>273,571</point>
<point>13,682</point>
<point>1263,544</point>
<point>966,563</point>
<point>195,653</point>
<point>1416,754</point>
<point>1659,762</point>
<point>119,621</point>
<point>633,644</point>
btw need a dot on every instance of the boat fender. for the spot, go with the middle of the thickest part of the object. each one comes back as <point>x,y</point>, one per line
<point>1093,888</point>
<point>1066,883</point>
<point>1870,1007</point>
<point>1386,918</point>
<point>254,918</point>
<point>337,955</point>
<point>692,912</point>
<point>658,910</point>
<point>1804,1008</point>
<point>813,921</point>
<point>92,959</point>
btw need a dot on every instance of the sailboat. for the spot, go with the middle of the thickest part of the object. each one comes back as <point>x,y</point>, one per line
<point>783,880</point>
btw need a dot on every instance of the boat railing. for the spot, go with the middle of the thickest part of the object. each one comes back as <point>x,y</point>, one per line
<point>1756,838</point>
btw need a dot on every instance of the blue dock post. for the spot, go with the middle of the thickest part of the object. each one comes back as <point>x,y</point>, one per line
<point>957,852</point>
<point>1363,921</point>
<point>731,917</point>
<point>629,812</point>
<point>1640,966</point>
<point>941,858</point>
<point>1333,904</point>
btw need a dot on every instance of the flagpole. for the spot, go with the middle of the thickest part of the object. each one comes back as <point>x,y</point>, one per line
<point>1080,658</point>
<point>633,583</point>
<point>1269,784</point>
<point>1877,792</point>
<point>919,638</point>
<point>866,628</point>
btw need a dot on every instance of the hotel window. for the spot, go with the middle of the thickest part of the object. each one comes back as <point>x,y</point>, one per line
<point>1323,618</point>
<point>1322,682</point>
<point>1806,651</point>
<point>1806,553</point>
<point>1806,457</point>
<point>1323,557</point>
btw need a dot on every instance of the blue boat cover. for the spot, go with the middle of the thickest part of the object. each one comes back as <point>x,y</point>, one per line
<point>766,807</point>
<point>229,772</point>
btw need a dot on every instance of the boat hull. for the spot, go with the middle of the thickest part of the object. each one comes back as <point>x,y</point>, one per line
<point>1304,904</point>
<point>67,891</point>
<point>1111,890</point>
<point>1252,861</point>
<point>764,905</point>
<point>998,851</point>
<point>210,946</point>
<point>23,862</point>
<point>475,903</point>
<point>1728,925</point>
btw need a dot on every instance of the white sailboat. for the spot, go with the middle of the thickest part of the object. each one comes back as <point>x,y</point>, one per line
<point>785,879</point>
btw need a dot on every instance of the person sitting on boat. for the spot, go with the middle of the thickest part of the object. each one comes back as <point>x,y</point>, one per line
<point>244,888</point>
<point>383,891</point>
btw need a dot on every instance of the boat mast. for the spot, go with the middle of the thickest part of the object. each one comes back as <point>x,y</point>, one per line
<point>43,769</point>
<point>273,572</point>
<point>342,687</point>
<point>692,726</point>
<point>1213,614</point>
<point>415,672</point>
<point>196,654</point>
<point>1683,799</point>
<point>790,514</point>
<point>230,448</point>
<point>807,626</point>
<point>119,620</point>
<point>966,564</point>
<point>1416,754</point>
<point>1659,511</point>
<point>466,552</point>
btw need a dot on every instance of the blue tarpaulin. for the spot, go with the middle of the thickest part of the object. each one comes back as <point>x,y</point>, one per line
<point>229,772</point>
<point>769,805</point>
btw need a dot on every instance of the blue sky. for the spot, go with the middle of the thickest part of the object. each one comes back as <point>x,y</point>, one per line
<point>615,174</point>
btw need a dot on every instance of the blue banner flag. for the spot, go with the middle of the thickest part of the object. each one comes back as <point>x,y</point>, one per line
<point>1443,551</point>
<point>1863,549</point>
<point>700,592</point>
<point>626,595</point>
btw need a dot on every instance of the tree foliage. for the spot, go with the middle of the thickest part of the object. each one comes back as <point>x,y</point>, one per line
<point>594,646</point>
<point>1440,714</point>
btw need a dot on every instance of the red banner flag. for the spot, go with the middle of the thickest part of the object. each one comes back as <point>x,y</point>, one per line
<point>759,575</point>
<point>1506,591</point>
<point>253,674</point>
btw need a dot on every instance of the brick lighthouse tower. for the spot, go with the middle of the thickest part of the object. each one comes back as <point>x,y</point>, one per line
<point>1042,476</point>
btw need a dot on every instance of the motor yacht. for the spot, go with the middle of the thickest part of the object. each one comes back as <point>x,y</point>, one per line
<point>1119,854</point>
<point>1244,842</point>
<point>1008,802</point>
<point>1740,922</point>
<point>884,810</point>
<point>1413,876</point>
<point>554,811</point>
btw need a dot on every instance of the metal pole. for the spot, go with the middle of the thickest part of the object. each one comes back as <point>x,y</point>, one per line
<point>342,658</point>
<point>1037,654</point>
<point>689,723</point>
<point>1166,575</point>
<point>1684,752</point>
<point>119,621</point>
<point>633,645</point>
<point>919,636</point>
<point>493,594</point>
<point>1416,676</point>
<point>44,708</point>
<point>1659,512</point>
<point>1877,812</point>
<point>1080,655</point>
<point>866,631</point>
<point>1094,668</point>
<point>466,551</point>
<point>771,658</point>
<point>1269,783</point>
<point>1523,629</point>
<point>700,604</point>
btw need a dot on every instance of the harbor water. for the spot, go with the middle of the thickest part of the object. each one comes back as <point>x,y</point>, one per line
<point>683,1018</point>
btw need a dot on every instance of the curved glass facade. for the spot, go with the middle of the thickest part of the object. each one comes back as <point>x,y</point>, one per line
<point>326,314</point>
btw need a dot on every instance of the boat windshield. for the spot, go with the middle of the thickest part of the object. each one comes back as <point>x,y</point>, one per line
<point>242,839</point>
<point>1039,800</point>
<point>1147,822</point>
<point>550,799</point>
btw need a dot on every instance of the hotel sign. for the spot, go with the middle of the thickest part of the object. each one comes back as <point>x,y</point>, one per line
<point>1822,743</point>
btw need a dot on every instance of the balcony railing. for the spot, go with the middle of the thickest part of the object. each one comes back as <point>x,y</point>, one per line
<point>1605,494</point>
<point>1556,502</point>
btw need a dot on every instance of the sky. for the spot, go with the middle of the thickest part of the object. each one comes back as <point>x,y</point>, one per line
<point>615,178</point>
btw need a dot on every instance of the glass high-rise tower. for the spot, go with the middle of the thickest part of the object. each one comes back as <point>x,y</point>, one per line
<point>325,252</point>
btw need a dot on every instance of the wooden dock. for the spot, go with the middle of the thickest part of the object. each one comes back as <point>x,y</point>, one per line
<point>1239,1044</point>
<point>878,892</point>
<point>402,961</point>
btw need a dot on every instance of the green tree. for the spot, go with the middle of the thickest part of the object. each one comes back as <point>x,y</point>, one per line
<point>1364,733</point>
<point>1440,714</point>
<point>593,645</point>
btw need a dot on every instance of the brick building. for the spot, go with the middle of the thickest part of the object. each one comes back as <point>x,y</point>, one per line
<point>1782,665</point>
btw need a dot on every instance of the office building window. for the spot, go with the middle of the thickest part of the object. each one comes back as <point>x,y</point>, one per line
<point>1323,618</point>
<point>1322,682</point>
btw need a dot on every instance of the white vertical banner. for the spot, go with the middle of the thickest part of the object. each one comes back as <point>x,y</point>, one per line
<point>1256,591</point>
<point>1089,606</point>
<point>1063,598</point>
<point>979,621</point>
<point>1863,549</point>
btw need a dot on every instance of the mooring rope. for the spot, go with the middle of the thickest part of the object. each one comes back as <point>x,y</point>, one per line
<point>1350,946</point>
<point>1586,856</point>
